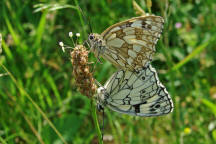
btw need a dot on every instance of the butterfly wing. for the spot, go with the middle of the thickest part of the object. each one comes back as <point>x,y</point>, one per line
<point>138,93</point>
<point>131,43</point>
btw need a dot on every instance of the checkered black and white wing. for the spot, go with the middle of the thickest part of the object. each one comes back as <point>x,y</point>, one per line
<point>137,93</point>
<point>129,44</point>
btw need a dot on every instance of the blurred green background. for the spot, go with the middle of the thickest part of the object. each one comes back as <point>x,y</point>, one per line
<point>40,74</point>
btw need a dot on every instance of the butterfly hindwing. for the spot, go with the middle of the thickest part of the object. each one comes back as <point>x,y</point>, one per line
<point>137,93</point>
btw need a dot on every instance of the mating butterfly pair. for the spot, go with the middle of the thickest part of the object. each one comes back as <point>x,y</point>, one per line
<point>135,89</point>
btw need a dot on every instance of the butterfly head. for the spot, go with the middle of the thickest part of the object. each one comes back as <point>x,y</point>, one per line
<point>97,44</point>
<point>93,39</point>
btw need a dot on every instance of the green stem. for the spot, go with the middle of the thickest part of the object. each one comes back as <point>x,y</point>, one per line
<point>80,16</point>
<point>95,119</point>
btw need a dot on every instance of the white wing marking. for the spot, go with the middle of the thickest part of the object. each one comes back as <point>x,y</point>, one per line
<point>115,42</point>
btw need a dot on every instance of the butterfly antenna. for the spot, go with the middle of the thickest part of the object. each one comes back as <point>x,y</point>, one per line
<point>89,22</point>
<point>98,59</point>
<point>85,18</point>
<point>86,42</point>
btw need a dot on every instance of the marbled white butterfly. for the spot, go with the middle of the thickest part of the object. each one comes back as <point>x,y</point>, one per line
<point>137,93</point>
<point>129,44</point>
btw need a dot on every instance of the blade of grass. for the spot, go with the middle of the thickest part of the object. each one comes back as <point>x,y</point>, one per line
<point>51,81</point>
<point>51,7</point>
<point>114,131</point>
<point>138,9</point>
<point>22,91</point>
<point>95,119</point>
<point>32,128</point>
<point>81,17</point>
<point>36,133</point>
<point>2,140</point>
<point>40,30</point>
<point>195,52</point>
<point>7,50</point>
<point>210,105</point>
<point>0,43</point>
<point>14,35</point>
<point>14,15</point>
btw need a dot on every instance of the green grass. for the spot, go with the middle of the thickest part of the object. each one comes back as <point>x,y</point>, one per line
<point>39,102</point>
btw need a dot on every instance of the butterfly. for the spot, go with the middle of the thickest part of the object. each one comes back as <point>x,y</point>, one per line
<point>138,93</point>
<point>129,44</point>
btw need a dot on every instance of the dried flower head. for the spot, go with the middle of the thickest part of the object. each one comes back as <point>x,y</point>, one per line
<point>81,71</point>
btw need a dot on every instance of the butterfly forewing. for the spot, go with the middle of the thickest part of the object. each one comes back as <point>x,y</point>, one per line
<point>130,44</point>
<point>137,93</point>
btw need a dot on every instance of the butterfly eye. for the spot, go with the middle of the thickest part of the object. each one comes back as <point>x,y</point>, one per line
<point>91,37</point>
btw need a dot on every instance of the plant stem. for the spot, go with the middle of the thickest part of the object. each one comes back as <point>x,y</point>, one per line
<point>95,119</point>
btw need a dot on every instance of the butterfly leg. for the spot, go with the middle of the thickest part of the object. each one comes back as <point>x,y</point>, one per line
<point>98,83</point>
<point>86,42</point>
<point>99,60</point>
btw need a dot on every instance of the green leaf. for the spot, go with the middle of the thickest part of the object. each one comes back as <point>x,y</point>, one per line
<point>210,105</point>
<point>67,125</point>
<point>214,134</point>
